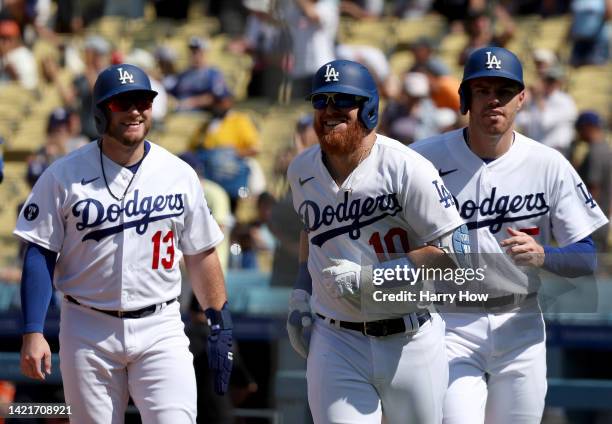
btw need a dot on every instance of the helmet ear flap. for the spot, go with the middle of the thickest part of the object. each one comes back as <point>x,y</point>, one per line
<point>368,113</point>
<point>100,119</point>
<point>464,98</point>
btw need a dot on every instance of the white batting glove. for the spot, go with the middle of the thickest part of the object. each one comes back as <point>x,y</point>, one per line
<point>299,318</point>
<point>343,278</point>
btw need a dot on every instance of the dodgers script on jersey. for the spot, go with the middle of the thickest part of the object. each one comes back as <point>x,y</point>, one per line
<point>390,204</point>
<point>531,188</point>
<point>133,246</point>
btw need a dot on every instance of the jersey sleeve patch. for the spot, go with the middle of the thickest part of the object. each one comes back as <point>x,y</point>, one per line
<point>31,211</point>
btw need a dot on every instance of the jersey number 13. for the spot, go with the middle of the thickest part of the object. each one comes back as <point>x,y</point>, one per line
<point>159,242</point>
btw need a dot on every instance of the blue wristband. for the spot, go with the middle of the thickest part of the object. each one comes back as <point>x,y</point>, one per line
<point>219,320</point>
<point>303,280</point>
<point>574,260</point>
<point>36,287</point>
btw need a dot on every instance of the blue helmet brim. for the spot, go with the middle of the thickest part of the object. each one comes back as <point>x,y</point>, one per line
<point>120,90</point>
<point>340,88</point>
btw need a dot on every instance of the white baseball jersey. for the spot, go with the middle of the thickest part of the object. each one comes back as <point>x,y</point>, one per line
<point>118,255</point>
<point>531,188</point>
<point>392,202</point>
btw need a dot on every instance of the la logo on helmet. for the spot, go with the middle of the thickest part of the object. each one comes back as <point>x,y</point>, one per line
<point>331,74</point>
<point>125,76</point>
<point>492,61</point>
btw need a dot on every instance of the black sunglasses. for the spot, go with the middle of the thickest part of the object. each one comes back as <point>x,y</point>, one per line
<point>340,100</point>
<point>124,103</point>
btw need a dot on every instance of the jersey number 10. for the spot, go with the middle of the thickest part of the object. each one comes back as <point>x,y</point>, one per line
<point>168,260</point>
<point>393,236</point>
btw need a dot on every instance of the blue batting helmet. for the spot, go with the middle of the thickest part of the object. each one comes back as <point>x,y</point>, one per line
<point>489,62</point>
<point>345,76</point>
<point>115,80</point>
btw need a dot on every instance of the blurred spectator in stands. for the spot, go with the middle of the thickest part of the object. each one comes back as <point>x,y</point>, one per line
<point>59,142</point>
<point>305,135</point>
<point>224,144</point>
<point>197,87</point>
<point>219,203</point>
<point>254,239</point>
<point>411,9</point>
<point>166,62</point>
<point>481,32</point>
<point>68,17</point>
<point>443,88</point>
<point>133,9</point>
<point>544,59</point>
<point>17,62</point>
<point>269,44</point>
<point>596,169</point>
<point>172,9</point>
<point>424,53</point>
<point>146,61</point>
<point>79,95</point>
<point>32,17</point>
<point>455,11</point>
<point>231,15</point>
<point>76,138</point>
<point>1,159</point>
<point>362,9</point>
<point>260,232</point>
<point>590,32</point>
<point>544,8</point>
<point>284,223</point>
<point>447,120</point>
<point>374,59</point>
<point>313,25</point>
<point>549,113</point>
<point>412,116</point>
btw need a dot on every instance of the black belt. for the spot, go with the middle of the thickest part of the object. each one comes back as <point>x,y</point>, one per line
<point>494,302</point>
<point>383,327</point>
<point>138,313</point>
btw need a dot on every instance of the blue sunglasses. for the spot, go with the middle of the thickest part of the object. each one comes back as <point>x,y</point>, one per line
<point>340,100</point>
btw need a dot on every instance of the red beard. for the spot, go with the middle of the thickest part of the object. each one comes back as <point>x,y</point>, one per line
<point>340,142</point>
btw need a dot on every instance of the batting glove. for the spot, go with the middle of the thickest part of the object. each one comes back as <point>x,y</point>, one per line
<point>220,355</point>
<point>342,279</point>
<point>300,317</point>
<point>345,278</point>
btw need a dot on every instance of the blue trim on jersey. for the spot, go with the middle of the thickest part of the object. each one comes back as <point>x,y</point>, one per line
<point>574,260</point>
<point>134,168</point>
<point>303,280</point>
<point>36,287</point>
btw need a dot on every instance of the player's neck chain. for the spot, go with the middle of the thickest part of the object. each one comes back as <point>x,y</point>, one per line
<point>119,199</point>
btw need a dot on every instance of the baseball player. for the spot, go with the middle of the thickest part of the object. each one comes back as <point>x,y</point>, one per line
<point>365,201</point>
<point>111,222</point>
<point>515,195</point>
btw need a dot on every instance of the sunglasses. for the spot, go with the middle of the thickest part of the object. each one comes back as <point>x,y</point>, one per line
<point>125,103</point>
<point>340,100</point>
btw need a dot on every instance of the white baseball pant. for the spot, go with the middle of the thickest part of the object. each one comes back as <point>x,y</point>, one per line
<point>104,359</point>
<point>497,366</point>
<point>355,379</point>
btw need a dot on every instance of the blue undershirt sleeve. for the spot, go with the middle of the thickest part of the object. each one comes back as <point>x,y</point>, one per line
<point>574,260</point>
<point>303,280</point>
<point>36,287</point>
